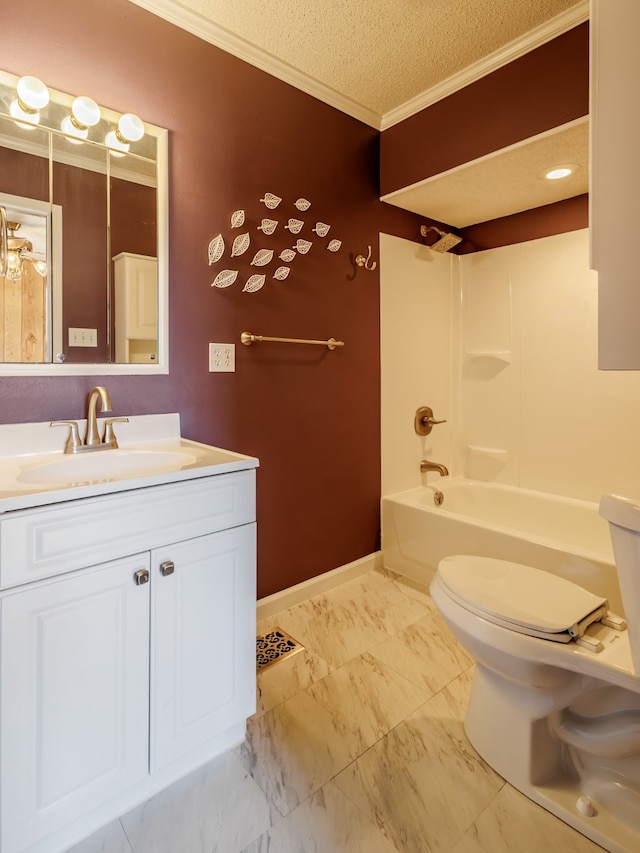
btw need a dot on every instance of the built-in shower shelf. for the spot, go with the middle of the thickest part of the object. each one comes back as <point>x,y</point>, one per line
<point>496,453</point>
<point>503,356</point>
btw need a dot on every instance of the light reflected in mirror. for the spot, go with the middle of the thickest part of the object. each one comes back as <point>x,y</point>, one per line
<point>89,292</point>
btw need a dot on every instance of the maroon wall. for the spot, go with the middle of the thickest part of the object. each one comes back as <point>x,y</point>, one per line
<point>312,416</point>
<point>543,89</point>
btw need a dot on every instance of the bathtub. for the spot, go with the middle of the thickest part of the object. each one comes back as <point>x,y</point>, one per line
<point>561,535</point>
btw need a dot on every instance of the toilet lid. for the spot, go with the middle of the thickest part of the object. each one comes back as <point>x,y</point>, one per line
<point>520,597</point>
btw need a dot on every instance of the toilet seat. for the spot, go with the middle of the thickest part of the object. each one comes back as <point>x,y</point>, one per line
<point>522,598</point>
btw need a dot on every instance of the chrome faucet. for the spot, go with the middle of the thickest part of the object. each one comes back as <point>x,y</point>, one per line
<point>93,436</point>
<point>425,466</point>
<point>92,439</point>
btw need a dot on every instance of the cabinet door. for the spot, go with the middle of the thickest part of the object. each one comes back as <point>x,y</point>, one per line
<point>74,702</point>
<point>615,178</point>
<point>203,640</point>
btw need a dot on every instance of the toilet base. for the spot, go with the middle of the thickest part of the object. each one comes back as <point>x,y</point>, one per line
<point>508,726</point>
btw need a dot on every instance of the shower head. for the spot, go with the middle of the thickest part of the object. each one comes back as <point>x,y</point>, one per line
<point>446,241</point>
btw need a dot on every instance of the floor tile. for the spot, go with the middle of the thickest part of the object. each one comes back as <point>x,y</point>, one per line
<point>294,749</point>
<point>196,814</point>
<point>287,678</point>
<point>110,839</point>
<point>425,652</point>
<point>327,822</point>
<point>423,784</point>
<point>513,822</point>
<point>369,697</point>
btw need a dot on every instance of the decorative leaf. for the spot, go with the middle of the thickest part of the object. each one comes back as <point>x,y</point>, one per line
<point>281,273</point>
<point>271,201</point>
<point>287,255</point>
<point>240,245</point>
<point>262,257</point>
<point>268,226</point>
<point>237,219</point>
<point>303,204</point>
<point>216,249</point>
<point>334,245</point>
<point>225,278</point>
<point>294,225</point>
<point>321,229</point>
<point>303,246</point>
<point>254,283</point>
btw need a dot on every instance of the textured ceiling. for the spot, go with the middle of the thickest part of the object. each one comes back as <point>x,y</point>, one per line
<point>382,60</point>
<point>377,53</point>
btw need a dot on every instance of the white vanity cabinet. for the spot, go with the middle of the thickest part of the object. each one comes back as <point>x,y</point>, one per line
<point>118,677</point>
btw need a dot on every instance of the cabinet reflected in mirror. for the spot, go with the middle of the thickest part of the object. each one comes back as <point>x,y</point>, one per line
<point>84,212</point>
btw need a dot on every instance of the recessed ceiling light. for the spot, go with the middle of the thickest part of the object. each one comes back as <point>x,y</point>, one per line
<point>556,173</point>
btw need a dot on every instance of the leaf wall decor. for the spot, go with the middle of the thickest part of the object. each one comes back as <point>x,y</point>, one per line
<point>262,257</point>
<point>216,249</point>
<point>254,283</point>
<point>287,255</point>
<point>334,245</point>
<point>240,245</point>
<point>268,226</point>
<point>321,229</point>
<point>271,201</point>
<point>225,278</point>
<point>303,204</point>
<point>281,273</point>
<point>237,219</point>
<point>294,225</point>
<point>303,246</point>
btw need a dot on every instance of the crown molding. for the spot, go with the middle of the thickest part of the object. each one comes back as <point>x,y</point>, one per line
<point>186,19</point>
<point>173,12</point>
<point>551,29</point>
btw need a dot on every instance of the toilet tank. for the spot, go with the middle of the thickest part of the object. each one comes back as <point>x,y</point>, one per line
<point>623,515</point>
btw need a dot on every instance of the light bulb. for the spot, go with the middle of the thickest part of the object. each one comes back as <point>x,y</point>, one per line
<point>41,268</point>
<point>32,93</point>
<point>130,128</point>
<point>18,113</point>
<point>557,174</point>
<point>71,129</point>
<point>85,111</point>
<point>112,141</point>
<point>14,266</point>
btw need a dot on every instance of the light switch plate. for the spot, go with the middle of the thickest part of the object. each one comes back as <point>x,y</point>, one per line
<point>222,358</point>
<point>83,337</point>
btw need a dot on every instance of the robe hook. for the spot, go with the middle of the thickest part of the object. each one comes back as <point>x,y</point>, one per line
<point>361,261</point>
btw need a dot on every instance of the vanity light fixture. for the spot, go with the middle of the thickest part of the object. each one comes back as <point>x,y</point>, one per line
<point>33,96</point>
<point>130,129</point>
<point>85,113</point>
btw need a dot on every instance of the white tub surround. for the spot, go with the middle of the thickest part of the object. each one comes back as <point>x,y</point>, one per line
<point>127,601</point>
<point>560,535</point>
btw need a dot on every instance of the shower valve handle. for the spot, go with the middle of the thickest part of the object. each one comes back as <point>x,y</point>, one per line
<point>424,420</point>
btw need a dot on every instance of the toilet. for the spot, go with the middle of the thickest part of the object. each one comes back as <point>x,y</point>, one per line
<point>555,698</point>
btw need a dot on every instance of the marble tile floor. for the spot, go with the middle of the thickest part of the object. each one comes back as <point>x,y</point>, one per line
<point>357,746</point>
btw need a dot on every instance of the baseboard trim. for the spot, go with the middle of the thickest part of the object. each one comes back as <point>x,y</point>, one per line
<point>272,604</point>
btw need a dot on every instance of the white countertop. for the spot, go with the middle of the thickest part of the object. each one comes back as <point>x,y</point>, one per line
<point>24,447</point>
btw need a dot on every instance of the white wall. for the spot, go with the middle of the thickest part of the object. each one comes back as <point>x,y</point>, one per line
<point>416,370</point>
<point>519,381</point>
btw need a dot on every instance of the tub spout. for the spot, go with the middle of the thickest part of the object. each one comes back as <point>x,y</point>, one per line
<point>425,466</point>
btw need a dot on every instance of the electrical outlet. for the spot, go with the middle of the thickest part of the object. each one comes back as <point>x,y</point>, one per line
<point>83,337</point>
<point>222,358</point>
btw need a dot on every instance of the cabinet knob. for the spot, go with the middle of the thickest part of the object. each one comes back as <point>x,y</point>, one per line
<point>167,568</point>
<point>141,576</point>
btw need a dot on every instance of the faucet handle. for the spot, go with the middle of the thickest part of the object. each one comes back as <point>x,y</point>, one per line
<point>73,441</point>
<point>109,436</point>
<point>424,421</point>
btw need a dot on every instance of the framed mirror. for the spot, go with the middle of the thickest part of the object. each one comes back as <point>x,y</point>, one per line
<point>83,237</point>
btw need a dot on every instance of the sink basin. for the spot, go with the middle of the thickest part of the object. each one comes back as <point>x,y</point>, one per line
<point>105,465</point>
